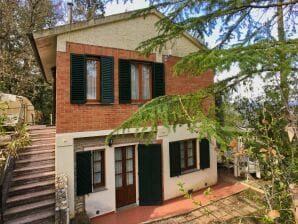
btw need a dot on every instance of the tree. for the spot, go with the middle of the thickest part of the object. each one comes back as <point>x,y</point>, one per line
<point>260,39</point>
<point>88,9</point>
<point>19,73</point>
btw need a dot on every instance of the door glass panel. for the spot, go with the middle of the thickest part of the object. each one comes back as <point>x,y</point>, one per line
<point>118,167</point>
<point>129,178</point>
<point>97,167</point>
<point>129,152</point>
<point>97,178</point>
<point>129,165</point>
<point>119,180</point>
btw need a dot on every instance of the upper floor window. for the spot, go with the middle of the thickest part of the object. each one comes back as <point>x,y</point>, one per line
<point>140,82</point>
<point>91,79</point>
<point>92,70</point>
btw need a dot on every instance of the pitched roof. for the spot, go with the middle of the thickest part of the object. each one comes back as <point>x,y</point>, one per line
<point>44,43</point>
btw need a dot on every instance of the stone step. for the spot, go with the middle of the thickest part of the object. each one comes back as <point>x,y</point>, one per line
<point>31,187</point>
<point>24,210</point>
<point>35,169</point>
<point>38,147</point>
<point>42,160</point>
<point>41,127</point>
<point>39,141</point>
<point>43,135</point>
<point>42,131</point>
<point>32,178</point>
<point>36,153</point>
<point>44,217</point>
<point>30,198</point>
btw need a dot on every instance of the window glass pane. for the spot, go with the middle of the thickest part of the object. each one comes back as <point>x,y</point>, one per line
<point>97,178</point>
<point>181,145</point>
<point>182,163</point>
<point>190,161</point>
<point>96,155</point>
<point>91,79</point>
<point>129,178</point>
<point>129,165</point>
<point>189,145</point>
<point>97,167</point>
<point>134,82</point>
<point>118,167</point>
<point>190,152</point>
<point>129,152</point>
<point>182,153</point>
<point>119,180</point>
<point>118,154</point>
<point>146,82</point>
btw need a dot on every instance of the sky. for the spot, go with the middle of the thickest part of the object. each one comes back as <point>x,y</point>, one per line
<point>115,8</point>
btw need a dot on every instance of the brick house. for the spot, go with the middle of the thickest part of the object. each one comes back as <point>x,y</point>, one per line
<point>99,80</point>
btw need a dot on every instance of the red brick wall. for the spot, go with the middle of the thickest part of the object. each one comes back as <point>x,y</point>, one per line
<point>88,117</point>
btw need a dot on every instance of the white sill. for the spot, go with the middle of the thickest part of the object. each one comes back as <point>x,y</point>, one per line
<point>99,189</point>
<point>190,171</point>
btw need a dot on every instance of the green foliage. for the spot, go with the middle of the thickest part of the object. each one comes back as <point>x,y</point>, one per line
<point>20,139</point>
<point>19,72</point>
<point>260,39</point>
<point>88,9</point>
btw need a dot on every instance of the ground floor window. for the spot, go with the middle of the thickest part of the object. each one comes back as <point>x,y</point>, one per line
<point>188,154</point>
<point>98,168</point>
<point>90,171</point>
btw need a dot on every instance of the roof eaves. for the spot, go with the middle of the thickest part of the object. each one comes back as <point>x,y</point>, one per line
<point>36,54</point>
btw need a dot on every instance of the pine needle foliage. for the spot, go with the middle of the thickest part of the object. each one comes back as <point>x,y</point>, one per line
<point>259,37</point>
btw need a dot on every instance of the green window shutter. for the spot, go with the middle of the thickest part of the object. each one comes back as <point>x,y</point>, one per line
<point>204,154</point>
<point>124,81</point>
<point>175,159</point>
<point>107,80</point>
<point>83,171</point>
<point>77,79</point>
<point>158,80</point>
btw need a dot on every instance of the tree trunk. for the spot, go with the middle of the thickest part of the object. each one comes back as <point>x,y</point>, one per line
<point>284,85</point>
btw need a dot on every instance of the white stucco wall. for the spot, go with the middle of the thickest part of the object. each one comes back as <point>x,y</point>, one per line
<point>124,34</point>
<point>105,201</point>
<point>195,180</point>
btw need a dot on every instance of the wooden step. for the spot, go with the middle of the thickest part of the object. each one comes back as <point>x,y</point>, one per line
<point>30,198</point>
<point>33,169</point>
<point>32,178</point>
<point>24,210</point>
<point>31,187</point>
<point>35,161</point>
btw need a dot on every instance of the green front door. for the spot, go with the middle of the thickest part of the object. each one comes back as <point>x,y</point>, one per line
<point>150,179</point>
